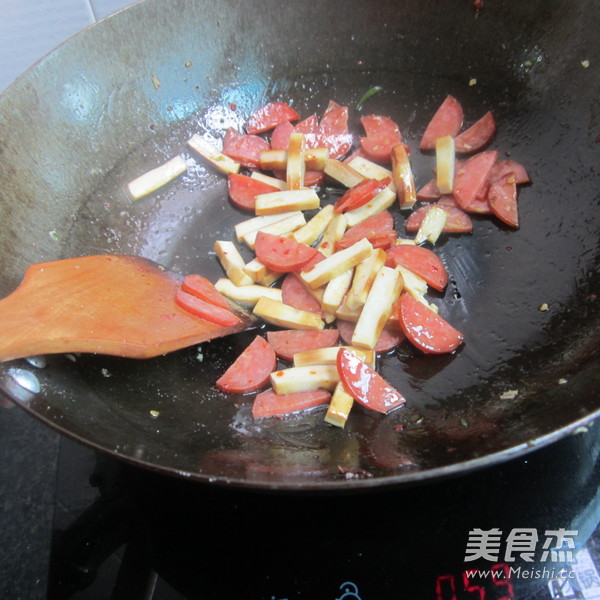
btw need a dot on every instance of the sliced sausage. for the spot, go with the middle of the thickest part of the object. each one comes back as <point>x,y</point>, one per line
<point>251,369</point>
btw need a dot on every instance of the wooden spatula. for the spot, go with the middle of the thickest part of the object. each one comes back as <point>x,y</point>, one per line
<point>106,304</point>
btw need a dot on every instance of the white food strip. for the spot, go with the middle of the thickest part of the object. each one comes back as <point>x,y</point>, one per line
<point>255,223</point>
<point>432,226</point>
<point>364,275</point>
<point>335,290</point>
<point>328,356</point>
<point>342,173</point>
<point>370,170</point>
<point>339,406</point>
<point>156,178</point>
<point>314,229</point>
<point>377,308</point>
<point>288,317</point>
<point>285,201</point>
<point>444,162</point>
<point>233,263</point>
<point>336,264</point>
<point>334,232</point>
<point>381,202</point>
<point>247,295</point>
<point>213,155</point>
<point>305,379</point>
<point>282,227</point>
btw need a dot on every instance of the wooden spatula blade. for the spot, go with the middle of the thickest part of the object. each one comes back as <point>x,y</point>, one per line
<point>105,304</point>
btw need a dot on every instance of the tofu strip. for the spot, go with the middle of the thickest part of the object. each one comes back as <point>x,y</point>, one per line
<point>334,232</point>
<point>335,291</point>
<point>305,379</point>
<point>339,406</point>
<point>283,227</point>
<point>381,202</point>
<point>313,230</point>
<point>274,203</point>
<point>153,180</point>
<point>283,315</point>
<point>342,173</point>
<point>247,295</point>
<point>295,167</point>
<point>243,228</point>
<point>337,263</point>
<point>364,275</point>
<point>213,155</point>
<point>377,308</point>
<point>328,356</point>
<point>232,261</point>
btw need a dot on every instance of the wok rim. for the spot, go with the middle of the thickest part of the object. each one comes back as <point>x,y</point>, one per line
<point>353,484</point>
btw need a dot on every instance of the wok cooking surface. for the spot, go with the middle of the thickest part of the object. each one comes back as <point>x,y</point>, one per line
<point>102,125</point>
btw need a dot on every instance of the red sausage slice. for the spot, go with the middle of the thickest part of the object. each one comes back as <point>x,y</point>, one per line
<point>310,128</point>
<point>447,120</point>
<point>308,125</point>
<point>205,310</point>
<point>245,149</point>
<point>360,194</point>
<point>280,138</point>
<point>378,147</point>
<point>204,289</point>
<point>471,176</point>
<point>477,136</point>
<point>290,341</point>
<point>331,105</point>
<point>365,385</point>
<point>282,255</point>
<point>480,205</point>
<point>382,222</point>
<point>387,341</point>
<point>269,116</point>
<point>374,124</point>
<point>243,190</point>
<point>333,131</point>
<point>382,135</point>
<point>503,199</point>
<point>425,329</point>
<point>429,192</point>
<point>337,144</point>
<point>458,220</point>
<point>503,167</point>
<point>313,178</point>
<point>251,369</point>
<point>421,261</point>
<point>383,240</point>
<point>270,404</point>
<point>295,294</point>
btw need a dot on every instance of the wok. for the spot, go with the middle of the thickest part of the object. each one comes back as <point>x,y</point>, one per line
<point>125,95</point>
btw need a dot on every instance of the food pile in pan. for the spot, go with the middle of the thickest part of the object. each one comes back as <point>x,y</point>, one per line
<point>341,285</point>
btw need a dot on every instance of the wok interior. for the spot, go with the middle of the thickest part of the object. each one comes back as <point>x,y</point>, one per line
<point>125,95</point>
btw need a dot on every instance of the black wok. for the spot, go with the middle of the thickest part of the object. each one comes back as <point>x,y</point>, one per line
<point>123,96</point>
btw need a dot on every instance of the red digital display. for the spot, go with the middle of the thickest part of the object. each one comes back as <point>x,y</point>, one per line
<point>476,584</point>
